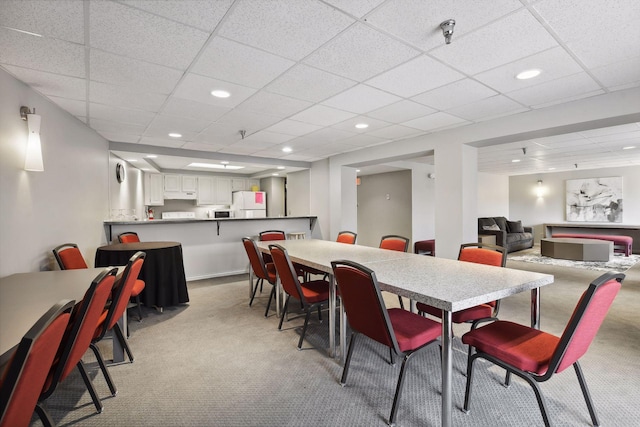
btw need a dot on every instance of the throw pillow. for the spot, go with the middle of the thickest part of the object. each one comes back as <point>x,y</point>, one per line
<point>493,227</point>
<point>515,227</point>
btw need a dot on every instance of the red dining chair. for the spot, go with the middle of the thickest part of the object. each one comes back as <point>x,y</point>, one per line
<point>480,253</point>
<point>534,355</point>
<point>69,257</point>
<point>119,300</point>
<point>395,243</point>
<point>128,237</point>
<point>403,332</point>
<point>311,294</point>
<point>271,235</point>
<point>348,237</point>
<point>261,270</point>
<point>77,339</point>
<point>26,372</point>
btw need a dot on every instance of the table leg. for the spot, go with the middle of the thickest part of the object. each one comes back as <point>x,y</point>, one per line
<point>278,296</point>
<point>447,335</point>
<point>413,306</point>
<point>535,308</point>
<point>332,316</point>
<point>251,279</point>
<point>343,334</point>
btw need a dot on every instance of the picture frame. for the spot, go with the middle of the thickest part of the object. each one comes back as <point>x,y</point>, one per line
<point>594,199</point>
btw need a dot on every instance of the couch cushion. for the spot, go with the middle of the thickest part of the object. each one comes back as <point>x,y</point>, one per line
<point>493,227</point>
<point>502,222</point>
<point>515,227</point>
<point>485,222</point>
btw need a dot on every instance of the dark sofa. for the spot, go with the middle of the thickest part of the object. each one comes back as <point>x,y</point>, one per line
<point>511,235</point>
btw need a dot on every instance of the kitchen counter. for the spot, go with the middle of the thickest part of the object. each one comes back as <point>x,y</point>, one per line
<point>212,247</point>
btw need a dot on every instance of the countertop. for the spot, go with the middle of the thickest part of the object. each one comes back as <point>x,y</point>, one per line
<point>192,220</point>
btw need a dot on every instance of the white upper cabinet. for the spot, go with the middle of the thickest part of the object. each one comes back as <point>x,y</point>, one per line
<point>153,189</point>
<point>183,187</point>
<point>238,184</point>
<point>206,191</point>
<point>223,191</point>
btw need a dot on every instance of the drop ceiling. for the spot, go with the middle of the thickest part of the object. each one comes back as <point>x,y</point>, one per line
<point>302,74</point>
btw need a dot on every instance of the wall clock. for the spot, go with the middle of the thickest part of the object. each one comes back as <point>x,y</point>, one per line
<point>120,173</point>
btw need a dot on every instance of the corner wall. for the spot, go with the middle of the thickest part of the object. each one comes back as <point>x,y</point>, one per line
<point>65,203</point>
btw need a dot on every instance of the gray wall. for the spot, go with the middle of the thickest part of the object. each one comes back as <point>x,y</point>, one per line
<point>377,215</point>
<point>65,203</point>
<point>525,205</point>
<point>298,193</point>
<point>274,187</point>
<point>493,195</point>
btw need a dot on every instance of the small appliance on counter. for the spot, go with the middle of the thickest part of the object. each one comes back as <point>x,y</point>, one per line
<point>178,215</point>
<point>249,204</point>
<point>220,213</point>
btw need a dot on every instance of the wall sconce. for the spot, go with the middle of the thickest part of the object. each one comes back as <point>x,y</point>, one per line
<point>540,189</point>
<point>33,160</point>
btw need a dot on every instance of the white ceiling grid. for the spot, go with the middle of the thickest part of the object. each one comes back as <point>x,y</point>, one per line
<point>303,73</point>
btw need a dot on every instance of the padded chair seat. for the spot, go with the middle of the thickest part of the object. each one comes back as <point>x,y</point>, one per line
<point>468,314</point>
<point>527,349</point>
<point>412,331</point>
<point>138,286</point>
<point>315,291</point>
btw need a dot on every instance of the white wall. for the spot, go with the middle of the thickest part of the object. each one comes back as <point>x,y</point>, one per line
<point>127,195</point>
<point>493,195</point>
<point>298,193</point>
<point>65,203</point>
<point>320,201</point>
<point>535,211</point>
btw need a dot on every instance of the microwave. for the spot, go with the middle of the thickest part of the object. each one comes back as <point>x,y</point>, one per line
<point>222,214</point>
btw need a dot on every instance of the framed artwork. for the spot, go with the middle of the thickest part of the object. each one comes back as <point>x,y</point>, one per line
<point>594,199</point>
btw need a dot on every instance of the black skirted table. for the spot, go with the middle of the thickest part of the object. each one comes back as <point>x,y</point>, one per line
<point>162,271</point>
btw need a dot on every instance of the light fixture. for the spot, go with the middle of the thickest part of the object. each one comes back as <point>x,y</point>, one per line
<point>275,174</point>
<point>447,29</point>
<point>151,156</point>
<point>175,135</point>
<point>131,160</point>
<point>515,161</point>
<point>33,161</point>
<point>224,162</point>
<point>281,167</point>
<point>213,166</point>
<point>242,133</point>
<point>540,189</point>
<point>630,147</point>
<point>362,126</point>
<point>218,93</point>
<point>287,149</point>
<point>528,74</point>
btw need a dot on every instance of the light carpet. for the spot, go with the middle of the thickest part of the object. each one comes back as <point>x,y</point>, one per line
<point>618,262</point>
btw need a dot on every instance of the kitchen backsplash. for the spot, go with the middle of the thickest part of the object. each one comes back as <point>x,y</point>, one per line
<point>184,206</point>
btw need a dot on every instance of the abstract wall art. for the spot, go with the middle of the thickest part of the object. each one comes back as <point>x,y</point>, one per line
<point>594,199</point>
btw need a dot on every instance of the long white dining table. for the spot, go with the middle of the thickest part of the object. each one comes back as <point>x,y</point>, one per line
<point>450,285</point>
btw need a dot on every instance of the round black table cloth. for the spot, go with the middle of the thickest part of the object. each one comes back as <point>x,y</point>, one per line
<point>162,271</point>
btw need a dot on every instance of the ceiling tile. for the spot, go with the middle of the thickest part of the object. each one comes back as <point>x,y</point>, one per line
<point>455,94</point>
<point>51,84</point>
<point>349,125</point>
<point>41,53</point>
<point>234,62</point>
<point>488,47</point>
<point>328,134</point>
<point>619,75</point>
<point>161,142</point>
<point>191,109</point>
<point>199,146</point>
<point>434,121</point>
<point>418,21</point>
<point>268,138</point>
<point>395,132</point>
<point>142,76</point>
<point>310,84</point>
<point>292,127</point>
<point>198,88</point>
<point>219,133</point>
<point>357,8</point>
<point>495,106</point>
<point>251,122</point>
<point>273,104</point>
<point>115,127</point>
<point>202,14</point>
<point>76,108</point>
<point>364,140</point>
<point>401,111</point>
<point>164,124</point>
<point>322,116</point>
<point>119,137</point>
<point>554,63</point>
<point>361,99</point>
<point>136,34</point>
<point>562,88</point>
<point>118,96</point>
<point>125,115</point>
<point>62,19</point>
<point>414,77</point>
<point>289,28</point>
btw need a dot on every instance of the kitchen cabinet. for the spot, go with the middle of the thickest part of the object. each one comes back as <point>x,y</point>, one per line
<point>253,183</point>
<point>180,187</point>
<point>171,183</point>
<point>153,189</point>
<point>189,183</point>
<point>238,184</point>
<point>223,191</point>
<point>206,191</point>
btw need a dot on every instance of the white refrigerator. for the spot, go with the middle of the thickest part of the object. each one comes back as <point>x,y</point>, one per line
<point>249,204</point>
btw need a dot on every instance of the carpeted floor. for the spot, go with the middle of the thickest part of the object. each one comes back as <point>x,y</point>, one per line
<point>218,362</point>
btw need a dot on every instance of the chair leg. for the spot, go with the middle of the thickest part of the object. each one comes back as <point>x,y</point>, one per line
<point>89,384</point>
<point>139,304</point>
<point>103,368</point>
<point>271,295</point>
<point>304,328</point>
<point>320,313</point>
<point>345,370</point>
<point>392,358</point>
<point>255,288</point>
<point>396,398</point>
<point>44,416</point>
<point>539,397</point>
<point>123,341</point>
<point>467,391</point>
<point>284,312</point>
<point>401,302</point>
<point>587,395</point>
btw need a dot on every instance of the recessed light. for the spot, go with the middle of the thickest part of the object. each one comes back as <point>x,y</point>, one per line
<point>362,126</point>
<point>151,156</point>
<point>218,93</point>
<point>630,147</point>
<point>275,174</point>
<point>280,167</point>
<point>515,160</point>
<point>131,160</point>
<point>528,74</point>
<point>287,149</point>
<point>175,135</point>
<point>224,162</point>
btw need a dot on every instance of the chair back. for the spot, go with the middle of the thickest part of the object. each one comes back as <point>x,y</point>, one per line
<point>347,237</point>
<point>287,273</point>
<point>585,321</point>
<point>255,259</point>
<point>120,295</point>
<point>84,319</point>
<point>363,302</point>
<point>128,237</point>
<point>272,235</point>
<point>29,366</point>
<point>69,257</point>
<point>394,243</point>
<point>483,253</point>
